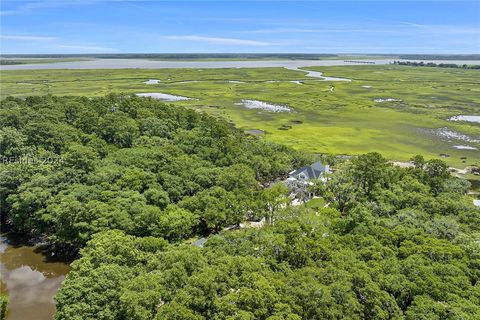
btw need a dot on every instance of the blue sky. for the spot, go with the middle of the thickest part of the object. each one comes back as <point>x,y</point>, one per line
<point>117,26</point>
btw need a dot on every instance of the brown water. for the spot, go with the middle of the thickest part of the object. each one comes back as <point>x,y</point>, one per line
<point>29,279</point>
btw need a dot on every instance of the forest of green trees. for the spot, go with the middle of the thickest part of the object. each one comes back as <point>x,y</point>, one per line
<point>131,181</point>
<point>395,244</point>
<point>73,167</point>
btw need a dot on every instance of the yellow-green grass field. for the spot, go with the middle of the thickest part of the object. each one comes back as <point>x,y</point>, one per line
<point>342,120</point>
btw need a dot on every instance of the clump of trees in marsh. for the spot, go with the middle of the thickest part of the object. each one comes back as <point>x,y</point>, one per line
<point>72,167</point>
<point>393,244</point>
<point>439,65</point>
<point>440,57</point>
<point>4,62</point>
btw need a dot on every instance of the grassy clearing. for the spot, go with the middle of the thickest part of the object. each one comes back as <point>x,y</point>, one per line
<point>316,203</point>
<point>346,120</point>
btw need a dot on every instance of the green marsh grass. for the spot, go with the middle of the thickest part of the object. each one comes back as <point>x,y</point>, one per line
<point>345,121</point>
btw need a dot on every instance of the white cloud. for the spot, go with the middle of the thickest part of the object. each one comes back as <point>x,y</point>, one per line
<point>445,29</point>
<point>26,38</point>
<point>281,30</point>
<point>224,41</point>
<point>402,28</point>
<point>49,43</point>
<point>21,7</point>
<point>88,49</point>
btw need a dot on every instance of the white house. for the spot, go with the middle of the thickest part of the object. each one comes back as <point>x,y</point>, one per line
<point>314,171</point>
<point>299,180</point>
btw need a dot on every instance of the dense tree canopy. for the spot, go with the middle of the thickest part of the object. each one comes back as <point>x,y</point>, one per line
<point>131,181</point>
<point>73,167</point>
<point>404,245</point>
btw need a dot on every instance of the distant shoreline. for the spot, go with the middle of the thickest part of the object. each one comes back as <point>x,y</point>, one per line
<point>246,56</point>
<point>110,63</point>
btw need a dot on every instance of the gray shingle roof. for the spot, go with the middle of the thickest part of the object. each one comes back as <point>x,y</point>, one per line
<point>311,172</point>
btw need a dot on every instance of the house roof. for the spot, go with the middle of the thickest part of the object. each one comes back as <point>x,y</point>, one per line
<point>200,242</point>
<point>311,172</point>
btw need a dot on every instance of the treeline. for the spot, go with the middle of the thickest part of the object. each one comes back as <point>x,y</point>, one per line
<point>439,65</point>
<point>440,57</point>
<point>75,166</point>
<point>394,244</point>
<point>180,56</point>
<point>5,62</point>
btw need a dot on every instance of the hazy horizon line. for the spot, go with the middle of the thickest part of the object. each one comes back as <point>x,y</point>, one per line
<point>238,53</point>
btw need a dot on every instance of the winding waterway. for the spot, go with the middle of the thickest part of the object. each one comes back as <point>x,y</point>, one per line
<point>158,64</point>
<point>30,279</point>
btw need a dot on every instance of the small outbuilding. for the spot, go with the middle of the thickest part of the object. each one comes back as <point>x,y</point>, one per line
<point>200,242</point>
